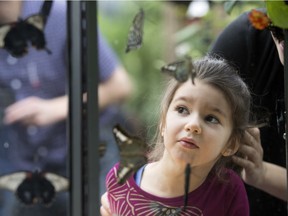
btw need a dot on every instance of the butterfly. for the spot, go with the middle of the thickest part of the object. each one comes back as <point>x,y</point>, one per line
<point>15,37</point>
<point>34,187</point>
<point>180,70</point>
<point>132,153</point>
<point>135,35</point>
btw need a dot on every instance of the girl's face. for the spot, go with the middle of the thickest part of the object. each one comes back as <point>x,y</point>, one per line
<point>198,125</point>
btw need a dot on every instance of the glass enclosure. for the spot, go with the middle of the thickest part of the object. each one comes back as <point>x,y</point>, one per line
<point>60,96</point>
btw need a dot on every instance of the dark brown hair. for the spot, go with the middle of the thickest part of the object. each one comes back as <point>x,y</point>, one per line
<point>219,73</point>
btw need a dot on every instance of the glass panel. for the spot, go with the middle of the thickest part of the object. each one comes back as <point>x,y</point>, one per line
<point>33,82</point>
<point>34,87</point>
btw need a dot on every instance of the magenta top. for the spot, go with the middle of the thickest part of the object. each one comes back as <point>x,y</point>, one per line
<point>213,197</point>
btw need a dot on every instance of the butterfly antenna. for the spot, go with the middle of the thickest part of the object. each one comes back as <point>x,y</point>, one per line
<point>186,185</point>
<point>45,9</point>
<point>48,51</point>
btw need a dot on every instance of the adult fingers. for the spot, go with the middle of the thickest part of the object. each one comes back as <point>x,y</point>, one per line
<point>251,145</point>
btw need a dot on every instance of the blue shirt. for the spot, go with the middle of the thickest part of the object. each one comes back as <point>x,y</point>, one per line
<point>42,75</point>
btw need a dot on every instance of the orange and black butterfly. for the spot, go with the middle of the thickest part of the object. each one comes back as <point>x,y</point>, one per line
<point>135,35</point>
<point>34,187</point>
<point>180,70</point>
<point>15,37</point>
<point>132,153</point>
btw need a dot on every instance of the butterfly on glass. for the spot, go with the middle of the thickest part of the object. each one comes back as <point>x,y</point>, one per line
<point>132,153</point>
<point>180,70</point>
<point>34,187</point>
<point>135,35</point>
<point>15,37</point>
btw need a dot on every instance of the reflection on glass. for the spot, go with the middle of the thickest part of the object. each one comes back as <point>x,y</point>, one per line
<point>33,110</point>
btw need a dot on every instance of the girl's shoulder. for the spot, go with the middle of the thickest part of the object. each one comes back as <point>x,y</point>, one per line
<point>228,184</point>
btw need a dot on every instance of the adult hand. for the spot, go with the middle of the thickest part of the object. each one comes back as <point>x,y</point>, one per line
<point>254,169</point>
<point>37,111</point>
<point>105,209</point>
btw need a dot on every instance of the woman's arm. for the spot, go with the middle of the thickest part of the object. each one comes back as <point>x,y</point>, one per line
<point>265,176</point>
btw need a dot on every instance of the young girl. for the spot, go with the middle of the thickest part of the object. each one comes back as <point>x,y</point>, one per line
<point>202,123</point>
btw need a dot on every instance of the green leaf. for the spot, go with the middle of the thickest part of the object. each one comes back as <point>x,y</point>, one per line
<point>278,13</point>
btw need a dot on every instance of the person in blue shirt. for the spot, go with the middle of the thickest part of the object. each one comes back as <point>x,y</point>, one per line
<point>33,126</point>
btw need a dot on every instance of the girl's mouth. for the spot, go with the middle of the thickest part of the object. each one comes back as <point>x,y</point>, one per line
<point>188,143</point>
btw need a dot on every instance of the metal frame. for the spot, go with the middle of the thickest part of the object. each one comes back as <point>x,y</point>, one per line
<point>286,102</point>
<point>75,107</point>
<point>92,78</point>
<point>83,128</point>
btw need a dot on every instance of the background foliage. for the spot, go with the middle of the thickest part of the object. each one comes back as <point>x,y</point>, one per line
<point>168,35</point>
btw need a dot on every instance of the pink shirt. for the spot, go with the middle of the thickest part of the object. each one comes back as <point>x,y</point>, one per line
<point>213,197</point>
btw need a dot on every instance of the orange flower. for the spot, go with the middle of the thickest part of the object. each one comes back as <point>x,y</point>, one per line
<point>259,19</point>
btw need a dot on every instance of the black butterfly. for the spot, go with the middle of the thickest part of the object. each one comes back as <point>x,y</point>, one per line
<point>34,187</point>
<point>180,70</point>
<point>135,35</point>
<point>15,37</point>
<point>132,152</point>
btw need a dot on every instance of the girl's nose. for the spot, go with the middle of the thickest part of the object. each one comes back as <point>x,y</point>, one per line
<point>193,126</point>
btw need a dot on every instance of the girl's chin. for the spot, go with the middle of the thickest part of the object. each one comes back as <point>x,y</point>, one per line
<point>182,159</point>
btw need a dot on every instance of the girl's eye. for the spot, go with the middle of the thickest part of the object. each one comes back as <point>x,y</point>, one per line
<point>182,110</point>
<point>212,119</point>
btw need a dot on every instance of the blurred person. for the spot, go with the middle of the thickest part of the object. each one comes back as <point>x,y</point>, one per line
<point>259,55</point>
<point>33,125</point>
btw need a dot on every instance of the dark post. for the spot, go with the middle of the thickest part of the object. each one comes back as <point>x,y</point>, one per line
<point>286,100</point>
<point>83,115</point>
<point>92,110</point>
<point>75,108</point>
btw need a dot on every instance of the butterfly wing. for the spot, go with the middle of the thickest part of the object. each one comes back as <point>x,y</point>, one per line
<point>25,191</point>
<point>132,153</point>
<point>35,188</point>
<point>177,70</point>
<point>4,29</point>
<point>35,31</point>
<point>180,70</point>
<point>135,35</point>
<point>12,181</point>
<point>15,41</point>
<point>37,21</point>
<point>60,183</point>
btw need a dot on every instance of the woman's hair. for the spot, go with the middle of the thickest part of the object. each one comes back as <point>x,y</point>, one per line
<point>218,73</point>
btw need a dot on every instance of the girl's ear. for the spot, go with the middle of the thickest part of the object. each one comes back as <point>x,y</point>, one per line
<point>162,129</point>
<point>231,148</point>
